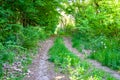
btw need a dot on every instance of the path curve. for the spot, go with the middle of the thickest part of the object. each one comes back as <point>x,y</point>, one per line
<point>94,63</point>
<point>41,68</point>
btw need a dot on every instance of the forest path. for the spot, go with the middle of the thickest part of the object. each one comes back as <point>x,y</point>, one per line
<point>94,63</point>
<point>41,68</point>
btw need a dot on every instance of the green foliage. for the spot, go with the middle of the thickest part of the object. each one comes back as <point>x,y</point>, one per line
<point>8,56</point>
<point>73,66</point>
<point>58,53</point>
<point>30,38</point>
<point>1,70</point>
<point>97,28</point>
<point>108,51</point>
<point>104,50</point>
<point>1,50</point>
<point>23,23</point>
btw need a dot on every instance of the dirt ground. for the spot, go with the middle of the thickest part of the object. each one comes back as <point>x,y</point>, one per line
<point>41,68</point>
<point>94,63</point>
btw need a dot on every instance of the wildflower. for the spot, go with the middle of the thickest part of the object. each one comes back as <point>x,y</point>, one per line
<point>94,51</point>
<point>101,42</point>
<point>105,47</point>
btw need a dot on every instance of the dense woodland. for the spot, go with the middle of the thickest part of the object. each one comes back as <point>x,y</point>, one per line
<point>25,23</point>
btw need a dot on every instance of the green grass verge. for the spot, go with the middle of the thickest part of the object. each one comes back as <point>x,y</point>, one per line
<point>68,63</point>
<point>104,50</point>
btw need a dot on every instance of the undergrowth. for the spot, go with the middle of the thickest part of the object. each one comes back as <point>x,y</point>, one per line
<point>68,63</point>
<point>17,51</point>
<point>105,50</point>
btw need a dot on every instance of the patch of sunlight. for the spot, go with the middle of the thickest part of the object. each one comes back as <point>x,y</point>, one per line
<point>93,78</point>
<point>59,77</point>
<point>65,20</point>
<point>116,1</point>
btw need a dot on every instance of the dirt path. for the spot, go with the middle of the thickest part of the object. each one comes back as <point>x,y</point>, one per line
<point>96,64</point>
<point>41,68</point>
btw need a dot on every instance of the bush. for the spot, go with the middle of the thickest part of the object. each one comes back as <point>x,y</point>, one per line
<point>31,37</point>
<point>105,50</point>
<point>98,29</point>
<point>16,41</point>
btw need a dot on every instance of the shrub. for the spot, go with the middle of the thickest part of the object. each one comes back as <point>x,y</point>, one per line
<point>31,36</point>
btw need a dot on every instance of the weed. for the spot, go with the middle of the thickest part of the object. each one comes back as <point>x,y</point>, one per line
<point>69,63</point>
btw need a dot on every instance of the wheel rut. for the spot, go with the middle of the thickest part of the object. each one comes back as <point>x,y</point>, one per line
<point>94,63</point>
<point>41,68</point>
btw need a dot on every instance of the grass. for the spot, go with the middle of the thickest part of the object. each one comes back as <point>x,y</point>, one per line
<point>77,69</point>
<point>19,48</point>
<point>103,49</point>
<point>24,59</point>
